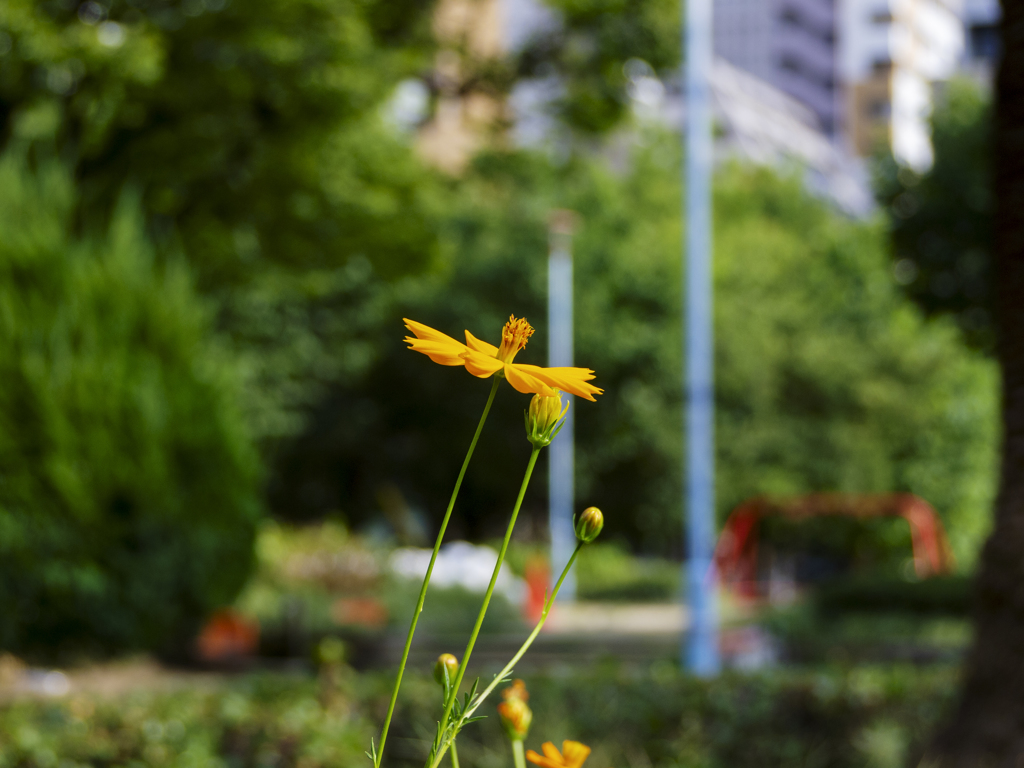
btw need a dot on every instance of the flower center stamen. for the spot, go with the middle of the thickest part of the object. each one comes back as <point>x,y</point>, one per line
<point>514,336</point>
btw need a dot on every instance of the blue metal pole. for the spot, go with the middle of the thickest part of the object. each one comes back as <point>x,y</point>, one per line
<point>561,460</point>
<point>701,652</point>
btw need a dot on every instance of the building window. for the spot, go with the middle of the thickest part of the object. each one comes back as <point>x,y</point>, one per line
<point>881,17</point>
<point>881,66</point>
<point>789,62</point>
<point>985,41</point>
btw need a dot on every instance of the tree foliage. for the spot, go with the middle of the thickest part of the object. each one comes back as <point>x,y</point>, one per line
<point>250,127</point>
<point>588,48</point>
<point>130,487</point>
<point>941,222</point>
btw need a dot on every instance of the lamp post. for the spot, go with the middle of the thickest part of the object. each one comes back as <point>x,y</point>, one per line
<point>561,461</point>
<point>701,652</point>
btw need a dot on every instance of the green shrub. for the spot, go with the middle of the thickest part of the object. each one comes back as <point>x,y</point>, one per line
<point>129,488</point>
<point>652,716</point>
<point>259,722</point>
<point>609,572</point>
<point>938,595</point>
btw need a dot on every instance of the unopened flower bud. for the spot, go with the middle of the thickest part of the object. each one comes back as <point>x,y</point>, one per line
<point>449,662</point>
<point>589,524</point>
<point>515,715</point>
<point>544,419</point>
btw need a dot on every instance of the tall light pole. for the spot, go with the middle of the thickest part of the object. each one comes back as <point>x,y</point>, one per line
<point>701,652</point>
<point>561,461</point>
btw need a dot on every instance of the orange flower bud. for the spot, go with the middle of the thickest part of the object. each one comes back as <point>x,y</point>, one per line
<point>515,715</point>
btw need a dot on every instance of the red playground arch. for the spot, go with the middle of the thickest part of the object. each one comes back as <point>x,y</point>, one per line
<point>736,552</point>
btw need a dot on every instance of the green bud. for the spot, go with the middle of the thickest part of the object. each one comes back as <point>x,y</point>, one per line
<point>544,419</point>
<point>589,524</point>
<point>449,661</point>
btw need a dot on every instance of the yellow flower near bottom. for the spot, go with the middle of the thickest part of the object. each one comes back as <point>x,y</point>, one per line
<point>573,755</point>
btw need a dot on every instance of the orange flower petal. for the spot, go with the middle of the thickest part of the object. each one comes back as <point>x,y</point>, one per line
<point>445,353</point>
<point>551,751</point>
<point>574,754</point>
<point>571,380</point>
<point>526,382</point>
<point>544,762</point>
<point>481,365</point>
<point>421,331</point>
<point>478,345</point>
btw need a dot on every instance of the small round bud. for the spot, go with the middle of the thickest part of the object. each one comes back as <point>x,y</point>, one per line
<point>544,419</point>
<point>589,524</point>
<point>515,715</point>
<point>445,660</point>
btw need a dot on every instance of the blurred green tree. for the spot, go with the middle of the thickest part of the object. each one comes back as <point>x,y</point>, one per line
<point>826,378</point>
<point>587,51</point>
<point>257,137</point>
<point>130,487</point>
<point>940,222</point>
<point>250,127</point>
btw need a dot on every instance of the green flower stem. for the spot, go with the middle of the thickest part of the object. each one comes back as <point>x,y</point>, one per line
<point>517,753</point>
<point>430,568</point>
<point>464,661</point>
<point>455,757</point>
<point>503,675</point>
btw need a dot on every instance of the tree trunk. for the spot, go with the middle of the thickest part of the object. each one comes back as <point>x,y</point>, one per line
<point>987,725</point>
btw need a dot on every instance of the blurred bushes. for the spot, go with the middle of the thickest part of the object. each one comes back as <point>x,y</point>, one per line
<point>937,595</point>
<point>818,548</point>
<point>607,572</point>
<point>321,579</point>
<point>129,488</point>
<point>827,380</point>
<point>262,721</point>
<point>877,717</point>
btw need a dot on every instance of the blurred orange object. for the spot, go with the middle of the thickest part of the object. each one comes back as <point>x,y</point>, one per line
<point>360,611</point>
<point>538,580</point>
<point>228,635</point>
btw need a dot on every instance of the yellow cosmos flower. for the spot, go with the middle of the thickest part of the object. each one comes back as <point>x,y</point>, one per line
<point>573,755</point>
<point>484,360</point>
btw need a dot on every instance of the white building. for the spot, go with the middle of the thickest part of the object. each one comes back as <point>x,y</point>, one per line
<point>891,53</point>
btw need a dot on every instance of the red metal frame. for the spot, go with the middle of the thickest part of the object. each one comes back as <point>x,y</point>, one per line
<point>736,552</point>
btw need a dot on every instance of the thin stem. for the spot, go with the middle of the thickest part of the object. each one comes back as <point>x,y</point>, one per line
<point>500,677</point>
<point>517,753</point>
<point>464,661</point>
<point>430,569</point>
<point>455,757</point>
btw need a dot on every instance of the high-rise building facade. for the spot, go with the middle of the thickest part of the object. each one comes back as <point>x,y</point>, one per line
<point>891,53</point>
<point>981,30</point>
<point>865,67</point>
<point>790,44</point>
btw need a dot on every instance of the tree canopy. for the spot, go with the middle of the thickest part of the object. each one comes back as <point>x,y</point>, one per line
<point>941,222</point>
<point>250,128</point>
